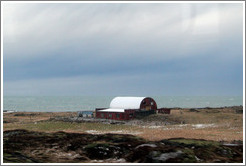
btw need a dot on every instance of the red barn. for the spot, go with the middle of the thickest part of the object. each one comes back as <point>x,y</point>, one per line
<point>126,108</point>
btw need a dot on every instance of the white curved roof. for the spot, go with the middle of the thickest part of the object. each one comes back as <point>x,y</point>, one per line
<point>111,110</point>
<point>126,102</point>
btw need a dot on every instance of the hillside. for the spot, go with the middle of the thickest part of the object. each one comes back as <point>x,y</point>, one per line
<point>24,146</point>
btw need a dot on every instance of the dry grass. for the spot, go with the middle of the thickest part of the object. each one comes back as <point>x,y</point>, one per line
<point>222,124</point>
<point>205,117</point>
<point>217,134</point>
<point>30,117</point>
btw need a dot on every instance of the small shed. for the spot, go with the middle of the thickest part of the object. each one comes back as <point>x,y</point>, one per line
<point>126,108</point>
<point>163,111</point>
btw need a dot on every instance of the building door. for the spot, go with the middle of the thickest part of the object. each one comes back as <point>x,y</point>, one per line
<point>147,108</point>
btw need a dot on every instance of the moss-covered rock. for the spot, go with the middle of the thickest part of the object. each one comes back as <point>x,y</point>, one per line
<point>102,151</point>
<point>22,146</point>
<point>17,157</point>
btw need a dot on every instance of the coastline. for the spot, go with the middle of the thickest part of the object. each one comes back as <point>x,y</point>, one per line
<point>234,107</point>
<point>78,103</point>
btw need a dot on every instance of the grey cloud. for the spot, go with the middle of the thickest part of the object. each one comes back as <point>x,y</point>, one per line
<point>133,26</point>
<point>49,43</point>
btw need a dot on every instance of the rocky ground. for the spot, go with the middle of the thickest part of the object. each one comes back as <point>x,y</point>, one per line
<point>23,146</point>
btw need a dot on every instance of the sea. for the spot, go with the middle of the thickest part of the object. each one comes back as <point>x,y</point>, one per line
<point>79,103</point>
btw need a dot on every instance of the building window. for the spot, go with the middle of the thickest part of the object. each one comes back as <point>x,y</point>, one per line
<point>110,115</point>
<point>117,116</point>
<point>102,115</point>
<point>152,103</point>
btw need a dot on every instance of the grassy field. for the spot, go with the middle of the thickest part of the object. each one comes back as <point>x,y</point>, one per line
<point>221,124</point>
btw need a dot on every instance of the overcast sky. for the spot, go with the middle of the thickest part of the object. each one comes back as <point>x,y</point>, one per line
<point>123,49</point>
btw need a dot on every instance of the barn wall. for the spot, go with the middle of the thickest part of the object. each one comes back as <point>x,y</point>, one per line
<point>146,104</point>
<point>140,114</point>
<point>130,114</point>
<point>127,115</point>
